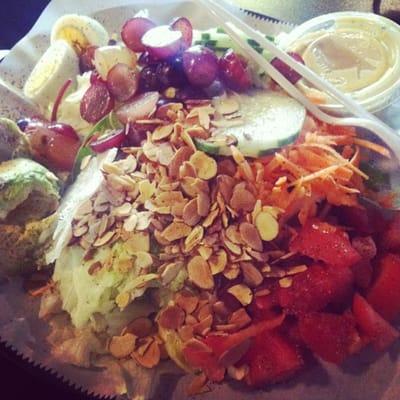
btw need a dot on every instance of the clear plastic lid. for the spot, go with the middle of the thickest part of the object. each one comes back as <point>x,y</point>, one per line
<point>366,64</point>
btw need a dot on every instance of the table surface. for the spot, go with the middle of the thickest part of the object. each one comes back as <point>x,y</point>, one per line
<point>18,16</point>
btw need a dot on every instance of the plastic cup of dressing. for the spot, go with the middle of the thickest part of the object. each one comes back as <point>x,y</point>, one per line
<point>359,53</point>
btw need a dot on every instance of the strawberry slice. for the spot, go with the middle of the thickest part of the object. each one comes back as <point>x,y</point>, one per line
<point>324,242</point>
<point>271,358</point>
<point>377,330</point>
<point>391,236</point>
<point>332,337</point>
<point>315,288</point>
<point>384,295</point>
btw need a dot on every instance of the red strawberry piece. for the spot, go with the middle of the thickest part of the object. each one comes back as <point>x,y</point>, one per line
<point>377,330</point>
<point>324,242</point>
<point>384,295</point>
<point>271,358</point>
<point>332,337</point>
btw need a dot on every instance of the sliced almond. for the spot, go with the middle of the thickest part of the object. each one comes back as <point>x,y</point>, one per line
<point>187,301</point>
<point>190,214</point>
<point>168,198</point>
<point>183,154</point>
<point>297,269</point>
<point>176,230</point>
<point>79,231</point>
<point>194,238</point>
<point>101,241</point>
<point>122,346</point>
<point>250,236</point>
<point>232,247</point>
<point>171,317</point>
<point>231,271</point>
<point>218,262</point>
<point>130,223</point>
<point>209,220</point>
<point>267,226</point>
<point>150,358</point>
<point>187,169</point>
<point>186,332</point>
<point>205,252</point>
<point>170,272</point>
<point>242,199</point>
<point>162,132</point>
<point>123,299</point>
<point>242,293</point>
<point>232,233</point>
<point>204,326</point>
<point>238,373</point>
<point>206,167</point>
<point>251,275</point>
<point>234,353</point>
<point>122,211</point>
<point>200,273</point>
<point>285,282</point>
<point>138,241</point>
<point>203,204</point>
<point>226,105</point>
<point>95,267</point>
<point>240,318</point>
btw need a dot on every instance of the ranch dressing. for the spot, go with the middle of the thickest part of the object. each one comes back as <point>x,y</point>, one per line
<point>358,53</point>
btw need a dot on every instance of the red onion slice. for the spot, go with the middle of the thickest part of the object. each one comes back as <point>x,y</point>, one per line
<point>114,139</point>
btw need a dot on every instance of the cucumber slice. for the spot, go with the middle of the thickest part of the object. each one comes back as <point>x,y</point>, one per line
<point>216,145</point>
<point>272,120</point>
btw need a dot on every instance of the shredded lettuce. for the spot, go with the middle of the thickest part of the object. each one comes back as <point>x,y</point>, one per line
<point>84,294</point>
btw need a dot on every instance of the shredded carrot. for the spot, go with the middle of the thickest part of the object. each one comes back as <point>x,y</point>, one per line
<point>373,146</point>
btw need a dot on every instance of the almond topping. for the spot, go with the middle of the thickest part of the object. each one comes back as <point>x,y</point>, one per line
<point>285,282</point>
<point>183,154</point>
<point>190,214</point>
<point>203,204</point>
<point>187,301</point>
<point>206,167</point>
<point>170,272</point>
<point>162,132</point>
<point>122,346</point>
<point>240,318</point>
<point>251,275</point>
<point>104,239</point>
<point>186,332</point>
<point>194,238</point>
<point>187,169</point>
<point>267,226</point>
<point>250,236</point>
<point>200,273</point>
<point>171,317</point>
<point>218,262</point>
<point>242,293</point>
<point>176,230</point>
<point>150,358</point>
<point>242,199</point>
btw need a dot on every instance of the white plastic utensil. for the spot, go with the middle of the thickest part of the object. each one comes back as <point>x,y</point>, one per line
<point>362,119</point>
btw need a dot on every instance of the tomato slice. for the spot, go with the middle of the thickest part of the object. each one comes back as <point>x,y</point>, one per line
<point>384,295</point>
<point>324,242</point>
<point>378,330</point>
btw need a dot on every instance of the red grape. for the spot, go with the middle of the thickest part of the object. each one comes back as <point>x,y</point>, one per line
<point>140,107</point>
<point>289,73</point>
<point>122,82</point>
<point>148,80</point>
<point>86,59</point>
<point>53,149</point>
<point>184,26</point>
<point>64,130</point>
<point>162,42</point>
<point>146,59</point>
<point>200,65</point>
<point>96,102</point>
<point>234,71</point>
<point>133,31</point>
<point>114,139</point>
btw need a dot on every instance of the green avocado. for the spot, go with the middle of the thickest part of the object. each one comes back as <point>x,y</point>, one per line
<point>28,191</point>
<point>13,142</point>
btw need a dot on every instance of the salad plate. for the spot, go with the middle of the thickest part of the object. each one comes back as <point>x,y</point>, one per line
<point>174,225</point>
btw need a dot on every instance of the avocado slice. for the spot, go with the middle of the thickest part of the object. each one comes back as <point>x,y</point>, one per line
<point>28,191</point>
<point>13,142</point>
